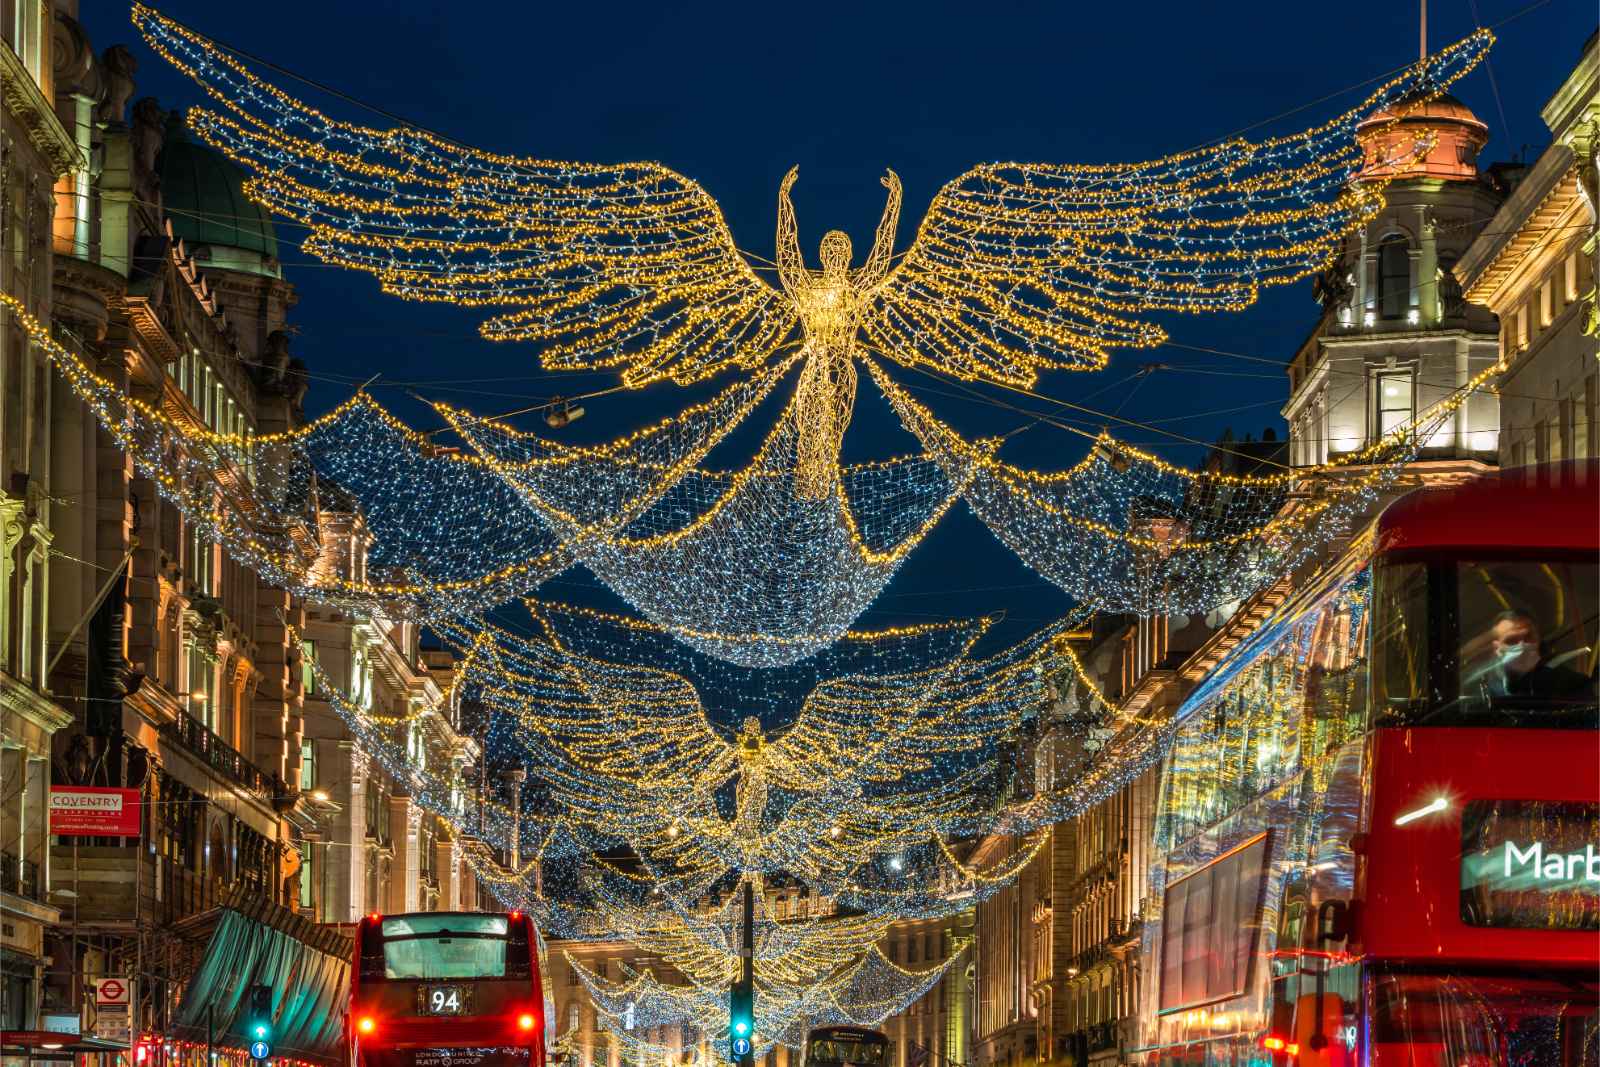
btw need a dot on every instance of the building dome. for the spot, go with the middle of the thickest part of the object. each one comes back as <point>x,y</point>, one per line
<point>1389,137</point>
<point>202,191</point>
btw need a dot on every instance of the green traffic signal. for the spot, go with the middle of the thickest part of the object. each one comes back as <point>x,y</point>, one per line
<point>741,1019</point>
<point>258,1023</point>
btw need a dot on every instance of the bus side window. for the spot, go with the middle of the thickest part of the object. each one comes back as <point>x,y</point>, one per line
<point>372,967</point>
<point>518,955</point>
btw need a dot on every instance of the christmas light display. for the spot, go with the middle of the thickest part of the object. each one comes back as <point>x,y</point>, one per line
<point>856,794</point>
<point>740,732</point>
<point>742,564</point>
<point>864,993</point>
<point>1129,531</point>
<point>1016,268</point>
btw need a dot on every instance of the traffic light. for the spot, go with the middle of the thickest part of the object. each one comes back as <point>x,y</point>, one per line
<point>741,1020</point>
<point>258,1022</point>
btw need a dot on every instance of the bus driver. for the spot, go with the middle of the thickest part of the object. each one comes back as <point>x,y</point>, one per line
<point>1516,664</point>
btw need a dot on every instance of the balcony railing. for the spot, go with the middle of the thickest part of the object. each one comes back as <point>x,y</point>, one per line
<point>216,753</point>
<point>19,877</point>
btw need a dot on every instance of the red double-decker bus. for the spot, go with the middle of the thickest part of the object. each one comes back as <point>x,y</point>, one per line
<point>1378,837</point>
<point>447,989</point>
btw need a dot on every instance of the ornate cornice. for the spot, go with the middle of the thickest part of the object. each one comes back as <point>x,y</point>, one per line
<point>18,698</point>
<point>24,100</point>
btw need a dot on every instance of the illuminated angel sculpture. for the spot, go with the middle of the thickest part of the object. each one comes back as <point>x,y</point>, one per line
<point>1014,270</point>
<point>1016,267</point>
<point>830,306</point>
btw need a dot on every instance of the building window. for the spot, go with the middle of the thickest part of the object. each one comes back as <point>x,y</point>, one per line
<point>308,765</point>
<point>1395,400</point>
<point>199,683</point>
<point>1547,293</point>
<point>1394,276</point>
<point>306,879</point>
<point>308,667</point>
<point>1571,281</point>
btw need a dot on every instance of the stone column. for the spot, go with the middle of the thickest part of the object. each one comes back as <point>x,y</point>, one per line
<point>1427,286</point>
<point>446,863</point>
<point>276,708</point>
<point>35,808</point>
<point>402,889</point>
<point>353,828</point>
<point>514,778</point>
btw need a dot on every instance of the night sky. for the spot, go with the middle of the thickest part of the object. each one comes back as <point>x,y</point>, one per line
<point>732,95</point>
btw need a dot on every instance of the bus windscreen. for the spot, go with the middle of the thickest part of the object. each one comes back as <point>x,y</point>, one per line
<point>444,945</point>
<point>1489,643</point>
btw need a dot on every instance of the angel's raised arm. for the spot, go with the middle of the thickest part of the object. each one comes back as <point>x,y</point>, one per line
<point>877,264</point>
<point>791,263</point>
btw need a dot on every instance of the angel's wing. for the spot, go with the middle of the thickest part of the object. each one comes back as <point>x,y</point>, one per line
<point>628,265</point>
<point>1020,267</point>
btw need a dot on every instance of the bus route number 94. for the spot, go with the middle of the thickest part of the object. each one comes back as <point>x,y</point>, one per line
<point>443,1000</point>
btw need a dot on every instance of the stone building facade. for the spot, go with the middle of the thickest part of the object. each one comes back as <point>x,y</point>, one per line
<point>1533,266</point>
<point>136,653</point>
<point>37,150</point>
<point>1396,334</point>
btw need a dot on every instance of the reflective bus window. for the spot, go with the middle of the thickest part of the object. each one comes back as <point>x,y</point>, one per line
<point>444,945</point>
<point>1210,923</point>
<point>1489,643</point>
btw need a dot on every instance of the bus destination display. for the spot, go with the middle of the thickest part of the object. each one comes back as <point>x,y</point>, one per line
<point>1530,864</point>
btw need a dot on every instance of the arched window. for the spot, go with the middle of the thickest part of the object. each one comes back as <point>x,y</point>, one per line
<point>1394,276</point>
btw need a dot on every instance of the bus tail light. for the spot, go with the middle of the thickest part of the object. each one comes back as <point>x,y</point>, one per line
<point>525,1021</point>
<point>366,1024</point>
<point>1274,1043</point>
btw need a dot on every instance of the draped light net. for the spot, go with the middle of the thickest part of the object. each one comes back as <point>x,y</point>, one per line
<point>740,564</point>
<point>1130,532</point>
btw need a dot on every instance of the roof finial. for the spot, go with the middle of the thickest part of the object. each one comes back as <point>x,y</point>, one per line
<point>1422,47</point>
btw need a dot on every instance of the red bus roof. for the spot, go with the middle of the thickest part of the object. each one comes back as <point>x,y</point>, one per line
<point>1555,507</point>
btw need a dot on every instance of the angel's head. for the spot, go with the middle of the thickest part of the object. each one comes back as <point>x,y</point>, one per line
<point>750,739</point>
<point>835,253</point>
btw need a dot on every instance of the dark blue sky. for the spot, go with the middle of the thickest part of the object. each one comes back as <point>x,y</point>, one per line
<point>733,94</point>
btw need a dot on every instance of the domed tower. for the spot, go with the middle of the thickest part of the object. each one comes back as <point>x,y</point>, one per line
<point>231,238</point>
<point>1391,137</point>
<point>1396,336</point>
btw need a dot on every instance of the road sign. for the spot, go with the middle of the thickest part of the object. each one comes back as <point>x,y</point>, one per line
<point>741,1046</point>
<point>109,991</point>
<point>260,1050</point>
